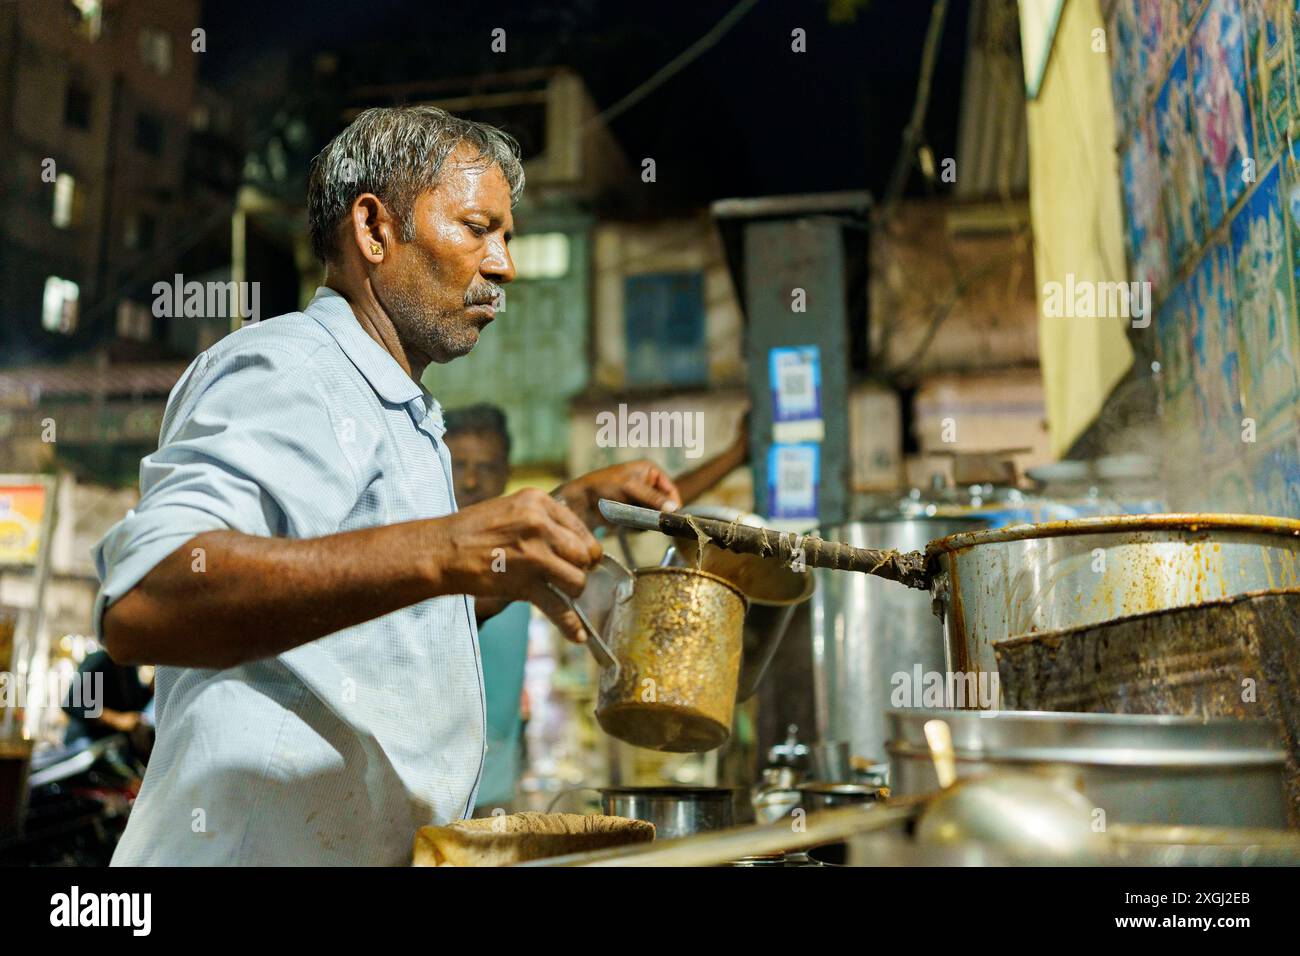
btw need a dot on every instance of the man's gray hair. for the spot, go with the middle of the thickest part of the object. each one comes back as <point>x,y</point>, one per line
<point>397,153</point>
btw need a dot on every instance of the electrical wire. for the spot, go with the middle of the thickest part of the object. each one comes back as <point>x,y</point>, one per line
<point>912,132</point>
<point>678,63</point>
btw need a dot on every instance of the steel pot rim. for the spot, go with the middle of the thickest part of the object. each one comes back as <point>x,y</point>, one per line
<point>698,573</point>
<point>809,586</point>
<point>806,595</point>
<point>1090,738</point>
<point>828,788</point>
<point>1189,523</point>
<point>1062,716</point>
<point>975,521</point>
<point>1132,757</point>
<point>719,793</point>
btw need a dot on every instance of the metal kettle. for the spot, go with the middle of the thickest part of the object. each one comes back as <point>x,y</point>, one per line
<point>668,641</point>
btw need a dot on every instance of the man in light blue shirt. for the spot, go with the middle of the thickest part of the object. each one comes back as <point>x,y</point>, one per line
<point>297,566</point>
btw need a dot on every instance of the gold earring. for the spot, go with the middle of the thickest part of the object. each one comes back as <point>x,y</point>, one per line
<point>376,249</point>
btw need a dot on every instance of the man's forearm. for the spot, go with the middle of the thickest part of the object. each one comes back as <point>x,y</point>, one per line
<point>699,480</point>
<point>256,597</point>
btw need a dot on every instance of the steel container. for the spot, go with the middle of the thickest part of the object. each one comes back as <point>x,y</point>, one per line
<point>766,622</point>
<point>1193,661</point>
<point>675,811</point>
<point>1136,768</point>
<point>814,795</point>
<point>866,630</point>
<point>677,642</point>
<point>991,585</point>
<point>775,590</point>
<point>1125,845</point>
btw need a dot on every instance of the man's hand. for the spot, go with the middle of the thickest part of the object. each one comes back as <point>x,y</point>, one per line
<point>513,548</point>
<point>636,483</point>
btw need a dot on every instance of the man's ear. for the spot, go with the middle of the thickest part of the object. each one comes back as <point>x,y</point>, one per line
<point>373,230</point>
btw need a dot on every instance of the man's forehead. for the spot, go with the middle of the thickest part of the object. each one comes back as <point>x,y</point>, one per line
<point>468,177</point>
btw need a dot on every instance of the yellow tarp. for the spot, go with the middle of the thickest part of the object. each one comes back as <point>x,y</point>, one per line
<point>1074,198</point>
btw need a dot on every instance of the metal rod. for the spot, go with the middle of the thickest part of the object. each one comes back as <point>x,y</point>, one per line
<point>787,547</point>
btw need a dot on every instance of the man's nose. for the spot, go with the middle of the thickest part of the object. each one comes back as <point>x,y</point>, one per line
<point>498,266</point>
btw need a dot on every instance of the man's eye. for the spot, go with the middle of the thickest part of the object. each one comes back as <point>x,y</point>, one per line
<point>477,229</point>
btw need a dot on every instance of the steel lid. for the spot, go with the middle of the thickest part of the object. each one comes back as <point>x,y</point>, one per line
<point>1096,739</point>
<point>1118,524</point>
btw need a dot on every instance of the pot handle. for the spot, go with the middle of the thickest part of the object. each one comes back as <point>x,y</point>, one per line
<point>596,644</point>
<point>599,650</point>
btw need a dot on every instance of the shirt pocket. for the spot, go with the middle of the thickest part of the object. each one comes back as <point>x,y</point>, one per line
<point>422,487</point>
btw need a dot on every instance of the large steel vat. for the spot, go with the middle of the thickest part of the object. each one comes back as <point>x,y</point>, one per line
<point>866,630</point>
<point>1137,768</point>
<point>995,584</point>
<point>1238,657</point>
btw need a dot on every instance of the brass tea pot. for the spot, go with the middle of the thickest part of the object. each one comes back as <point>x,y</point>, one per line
<point>669,644</point>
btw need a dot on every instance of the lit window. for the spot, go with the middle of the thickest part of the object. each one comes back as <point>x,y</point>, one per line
<point>156,50</point>
<point>92,17</point>
<point>541,256</point>
<point>65,201</point>
<point>59,308</point>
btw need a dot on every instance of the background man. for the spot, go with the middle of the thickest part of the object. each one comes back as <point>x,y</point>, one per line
<point>479,441</point>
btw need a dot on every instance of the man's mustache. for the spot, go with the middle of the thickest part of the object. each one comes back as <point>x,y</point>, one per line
<point>488,294</point>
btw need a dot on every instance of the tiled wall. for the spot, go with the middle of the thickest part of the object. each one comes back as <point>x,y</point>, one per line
<point>1207,96</point>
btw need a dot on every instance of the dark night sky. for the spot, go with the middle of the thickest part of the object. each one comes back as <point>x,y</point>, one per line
<point>749,117</point>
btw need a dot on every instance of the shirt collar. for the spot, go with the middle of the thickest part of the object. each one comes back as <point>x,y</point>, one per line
<point>380,369</point>
<point>434,412</point>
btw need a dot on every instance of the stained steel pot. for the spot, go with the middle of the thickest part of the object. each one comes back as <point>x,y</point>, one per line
<point>675,811</point>
<point>1138,769</point>
<point>775,591</point>
<point>677,641</point>
<point>991,585</point>
<point>1238,657</point>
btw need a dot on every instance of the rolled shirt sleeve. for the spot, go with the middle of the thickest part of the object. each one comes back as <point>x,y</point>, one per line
<point>250,437</point>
